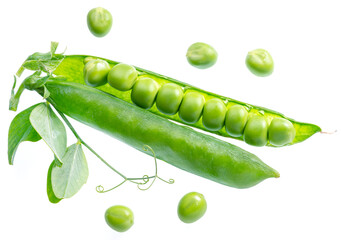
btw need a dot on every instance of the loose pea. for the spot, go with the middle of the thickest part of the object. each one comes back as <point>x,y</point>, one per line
<point>256,131</point>
<point>201,55</point>
<point>169,98</point>
<point>144,92</point>
<point>260,62</point>
<point>96,72</point>
<point>281,132</point>
<point>119,218</point>
<point>236,118</point>
<point>213,116</point>
<point>99,21</point>
<point>192,207</point>
<point>191,107</point>
<point>122,77</point>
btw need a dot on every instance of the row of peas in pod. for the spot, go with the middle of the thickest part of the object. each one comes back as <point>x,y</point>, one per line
<point>171,99</point>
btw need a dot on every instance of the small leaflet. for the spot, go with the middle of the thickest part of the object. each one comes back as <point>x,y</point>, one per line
<point>35,81</point>
<point>54,46</point>
<point>21,130</point>
<point>50,128</point>
<point>72,175</point>
<point>50,194</point>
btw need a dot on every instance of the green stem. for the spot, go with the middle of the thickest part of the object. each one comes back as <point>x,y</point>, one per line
<point>20,71</point>
<point>87,146</point>
<point>100,188</point>
<point>148,177</point>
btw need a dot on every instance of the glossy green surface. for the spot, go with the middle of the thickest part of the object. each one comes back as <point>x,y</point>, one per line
<point>281,132</point>
<point>235,121</point>
<point>144,92</point>
<point>119,218</point>
<point>72,68</point>
<point>178,145</point>
<point>213,116</point>
<point>191,107</point>
<point>256,131</point>
<point>192,207</point>
<point>122,77</point>
<point>260,62</point>
<point>96,72</point>
<point>201,55</point>
<point>99,21</point>
<point>169,98</point>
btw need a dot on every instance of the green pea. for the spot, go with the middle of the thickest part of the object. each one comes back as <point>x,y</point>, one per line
<point>96,72</point>
<point>236,118</point>
<point>192,207</point>
<point>119,218</point>
<point>260,62</point>
<point>144,92</point>
<point>201,55</point>
<point>213,116</point>
<point>122,77</point>
<point>191,107</point>
<point>281,132</point>
<point>256,131</point>
<point>99,21</point>
<point>169,98</point>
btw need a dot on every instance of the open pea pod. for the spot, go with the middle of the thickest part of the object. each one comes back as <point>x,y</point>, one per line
<point>231,118</point>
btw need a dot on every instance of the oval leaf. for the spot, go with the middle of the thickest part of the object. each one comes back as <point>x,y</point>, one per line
<point>70,177</point>
<point>50,128</point>
<point>50,194</point>
<point>21,130</point>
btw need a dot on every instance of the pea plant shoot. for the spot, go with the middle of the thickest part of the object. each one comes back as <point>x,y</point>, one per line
<point>68,171</point>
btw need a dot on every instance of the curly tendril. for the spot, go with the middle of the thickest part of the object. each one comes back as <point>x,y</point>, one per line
<point>100,188</point>
<point>139,181</point>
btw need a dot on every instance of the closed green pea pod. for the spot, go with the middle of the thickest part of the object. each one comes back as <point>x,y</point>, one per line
<point>191,107</point>
<point>178,145</point>
<point>144,92</point>
<point>256,131</point>
<point>96,72</point>
<point>213,116</point>
<point>169,98</point>
<point>236,118</point>
<point>122,77</point>
<point>281,132</point>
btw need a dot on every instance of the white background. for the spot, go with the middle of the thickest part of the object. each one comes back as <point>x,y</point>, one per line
<point>304,40</point>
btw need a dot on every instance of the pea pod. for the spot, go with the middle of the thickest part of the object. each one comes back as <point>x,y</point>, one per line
<point>180,146</point>
<point>72,68</point>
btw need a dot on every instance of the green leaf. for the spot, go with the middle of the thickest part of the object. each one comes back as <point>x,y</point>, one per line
<point>54,46</point>
<point>50,128</point>
<point>70,177</point>
<point>50,65</point>
<point>35,81</point>
<point>46,93</point>
<point>34,65</point>
<point>40,56</point>
<point>21,130</point>
<point>50,194</point>
<point>46,62</point>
